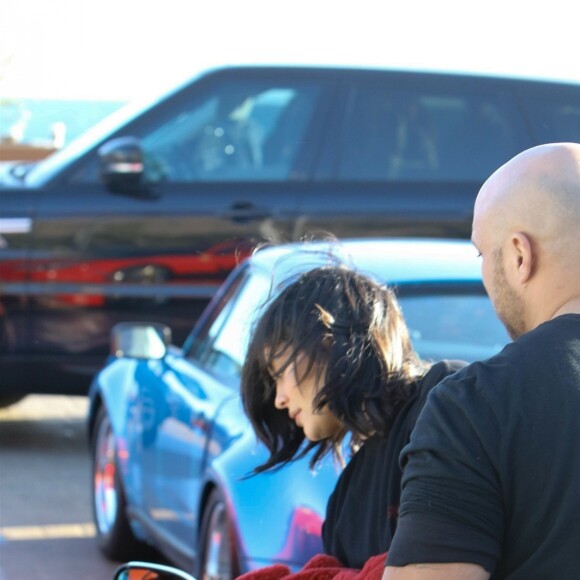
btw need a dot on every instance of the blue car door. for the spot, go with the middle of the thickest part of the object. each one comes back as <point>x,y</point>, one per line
<point>185,409</point>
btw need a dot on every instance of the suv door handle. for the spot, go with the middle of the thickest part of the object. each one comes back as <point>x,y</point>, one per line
<point>245,211</point>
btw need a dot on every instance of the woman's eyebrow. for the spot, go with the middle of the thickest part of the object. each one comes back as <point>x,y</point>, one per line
<point>271,371</point>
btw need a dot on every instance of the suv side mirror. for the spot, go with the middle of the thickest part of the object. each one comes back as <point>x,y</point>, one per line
<point>123,166</point>
<point>148,571</point>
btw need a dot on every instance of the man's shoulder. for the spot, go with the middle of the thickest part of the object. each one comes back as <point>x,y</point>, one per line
<point>476,382</point>
<point>526,360</point>
<point>533,350</point>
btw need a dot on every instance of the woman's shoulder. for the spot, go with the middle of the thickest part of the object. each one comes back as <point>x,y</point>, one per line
<point>441,369</point>
<point>411,408</point>
<point>436,373</point>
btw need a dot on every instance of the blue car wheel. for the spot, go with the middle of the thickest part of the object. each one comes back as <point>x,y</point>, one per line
<point>114,534</point>
<point>217,553</point>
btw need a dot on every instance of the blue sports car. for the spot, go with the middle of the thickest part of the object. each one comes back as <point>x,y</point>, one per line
<point>172,447</point>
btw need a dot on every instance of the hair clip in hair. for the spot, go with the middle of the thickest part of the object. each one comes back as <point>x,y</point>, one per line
<point>325,317</point>
<point>332,324</point>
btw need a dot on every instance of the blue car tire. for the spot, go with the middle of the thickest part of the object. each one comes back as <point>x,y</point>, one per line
<point>114,535</point>
<point>217,551</point>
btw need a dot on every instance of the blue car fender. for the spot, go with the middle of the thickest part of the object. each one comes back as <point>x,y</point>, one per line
<point>114,389</point>
<point>277,513</point>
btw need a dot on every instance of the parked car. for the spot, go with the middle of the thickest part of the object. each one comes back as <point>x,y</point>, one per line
<point>239,156</point>
<point>171,444</point>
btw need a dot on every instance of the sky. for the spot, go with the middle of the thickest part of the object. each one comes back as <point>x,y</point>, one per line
<point>129,49</point>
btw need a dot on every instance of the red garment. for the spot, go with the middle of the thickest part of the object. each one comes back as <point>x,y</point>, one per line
<point>321,567</point>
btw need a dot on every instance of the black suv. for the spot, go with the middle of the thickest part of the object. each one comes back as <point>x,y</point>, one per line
<point>144,215</point>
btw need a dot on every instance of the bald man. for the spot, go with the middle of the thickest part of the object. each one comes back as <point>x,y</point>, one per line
<point>491,485</point>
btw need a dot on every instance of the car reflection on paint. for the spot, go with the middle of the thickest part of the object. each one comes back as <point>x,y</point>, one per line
<point>210,267</point>
<point>171,445</point>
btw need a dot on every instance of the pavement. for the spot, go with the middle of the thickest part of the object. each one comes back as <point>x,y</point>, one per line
<point>46,529</point>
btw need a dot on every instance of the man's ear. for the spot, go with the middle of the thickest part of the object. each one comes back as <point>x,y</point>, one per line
<point>523,257</point>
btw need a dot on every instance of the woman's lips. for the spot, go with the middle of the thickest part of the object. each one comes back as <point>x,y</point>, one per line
<point>296,418</point>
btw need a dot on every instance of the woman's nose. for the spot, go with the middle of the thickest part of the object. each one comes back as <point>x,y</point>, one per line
<point>280,401</point>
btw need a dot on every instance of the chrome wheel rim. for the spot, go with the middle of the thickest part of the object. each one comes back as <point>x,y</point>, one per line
<point>105,493</point>
<point>218,563</point>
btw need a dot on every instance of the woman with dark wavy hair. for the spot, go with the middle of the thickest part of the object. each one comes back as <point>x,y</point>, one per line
<point>331,357</point>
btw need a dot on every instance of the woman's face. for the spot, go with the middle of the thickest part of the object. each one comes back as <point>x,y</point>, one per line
<point>298,399</point>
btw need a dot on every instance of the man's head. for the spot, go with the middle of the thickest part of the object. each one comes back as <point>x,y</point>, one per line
<point>526,226</point>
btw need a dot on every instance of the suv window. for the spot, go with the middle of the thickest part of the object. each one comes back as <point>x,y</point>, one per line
<point>239,131</point>
<point>234,131</point>
<point>554,118</point>
<point>434,135</point>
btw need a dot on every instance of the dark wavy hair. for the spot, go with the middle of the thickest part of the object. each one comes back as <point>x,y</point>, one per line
<point>353,335</point>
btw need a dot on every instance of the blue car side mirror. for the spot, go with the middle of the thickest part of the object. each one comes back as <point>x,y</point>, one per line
<point>141,340</point>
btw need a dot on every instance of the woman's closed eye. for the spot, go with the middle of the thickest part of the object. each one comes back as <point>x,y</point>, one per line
<point>276,373</point>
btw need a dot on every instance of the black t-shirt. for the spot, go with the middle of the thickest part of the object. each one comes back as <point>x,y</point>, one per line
<point>492,472</point>
<point>361,515</point>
